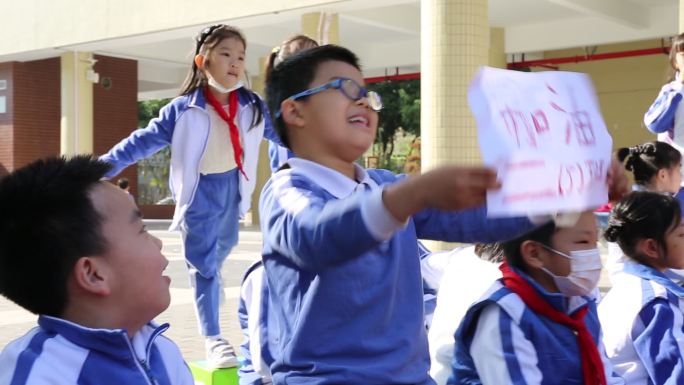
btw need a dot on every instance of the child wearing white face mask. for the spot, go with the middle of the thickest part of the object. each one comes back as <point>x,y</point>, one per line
<point>538,324</point>
<point>214,128</point>
<point>642,314</point>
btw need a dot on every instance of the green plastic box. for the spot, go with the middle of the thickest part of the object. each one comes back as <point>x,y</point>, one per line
<point>205,375</point>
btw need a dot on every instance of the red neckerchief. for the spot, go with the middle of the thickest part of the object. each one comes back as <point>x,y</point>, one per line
<point>233,128</point>
<point>592,365</point>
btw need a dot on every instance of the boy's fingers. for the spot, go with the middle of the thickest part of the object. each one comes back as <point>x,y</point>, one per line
<point>474,196</point>
<point>483,178</point>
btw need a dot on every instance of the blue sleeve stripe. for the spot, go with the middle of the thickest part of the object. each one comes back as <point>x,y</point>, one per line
<point>508,349</point>
<point>657,345</point>
<point>28,357</point>
<point>660,117</point>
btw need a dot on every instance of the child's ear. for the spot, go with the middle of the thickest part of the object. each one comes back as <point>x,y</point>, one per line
<point>90,275</point>
<point>531,254</point>
<point>289,110</point>
<point>649,248</point>
<point>199,61</point>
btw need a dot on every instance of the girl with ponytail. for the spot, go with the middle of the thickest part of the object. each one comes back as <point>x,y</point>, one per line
<point>642,315</point>
<point>214,129</point>
<point>656,168</point>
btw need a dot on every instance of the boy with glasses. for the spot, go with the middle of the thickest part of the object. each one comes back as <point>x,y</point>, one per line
<point>340,242</point>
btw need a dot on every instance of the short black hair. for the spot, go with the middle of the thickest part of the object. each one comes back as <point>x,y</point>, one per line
<point>511,248</point>
<point>490,252</point>
<point>295,74</point>
<point>642,215</point>
<point>123,183</point>
<point>47,222</point>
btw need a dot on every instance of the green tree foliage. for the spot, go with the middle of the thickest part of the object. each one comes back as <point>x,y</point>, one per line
<point>401,109</point>
<point>153,172</point>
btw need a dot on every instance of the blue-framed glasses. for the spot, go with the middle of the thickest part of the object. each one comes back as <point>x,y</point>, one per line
<point>348,87</point>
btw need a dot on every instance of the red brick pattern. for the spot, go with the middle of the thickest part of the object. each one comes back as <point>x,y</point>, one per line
<point>30,129</point>
<point>6,126</point>
<point>115,110</point>
<point>37,110</point>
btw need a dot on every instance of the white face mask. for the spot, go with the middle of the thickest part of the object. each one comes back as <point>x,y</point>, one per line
<point>224,90</point>
<point>585,271</point>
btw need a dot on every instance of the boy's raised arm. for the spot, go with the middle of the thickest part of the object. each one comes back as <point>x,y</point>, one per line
<point>315,233</point>
<point>445,188</point>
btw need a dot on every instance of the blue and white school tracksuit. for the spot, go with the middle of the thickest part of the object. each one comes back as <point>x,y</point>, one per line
<point>665,118</point>
<point>643,327</point>
<point>59,352</point>
<point>502,341</point>
<point>252,314</point>
<point>278,155</point>
<point>208,206</point>
<point>616,258</point>
<point>344,276</point>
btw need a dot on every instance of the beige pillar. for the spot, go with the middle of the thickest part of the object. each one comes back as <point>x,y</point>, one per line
<point>322,27</point>
<point>497,48</point>
<point>263,167</point>
<point>454,44</point>
<point>681,16</point>
<point>76,124</point>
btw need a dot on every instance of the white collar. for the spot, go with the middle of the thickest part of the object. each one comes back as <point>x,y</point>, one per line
<point>332,181</point>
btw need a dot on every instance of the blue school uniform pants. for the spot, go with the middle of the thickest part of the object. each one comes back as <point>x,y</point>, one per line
<point>210,230</point>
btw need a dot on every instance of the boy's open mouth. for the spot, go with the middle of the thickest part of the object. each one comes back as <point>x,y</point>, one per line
<point>359,120</point>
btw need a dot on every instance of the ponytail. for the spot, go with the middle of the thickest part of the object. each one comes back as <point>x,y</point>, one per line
<point>646,159</point>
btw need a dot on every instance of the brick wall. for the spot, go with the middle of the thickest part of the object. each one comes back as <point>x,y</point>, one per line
<point>37,110</point>
<point>6,126</point>
<point>115,110</point>
<point>30,129</point>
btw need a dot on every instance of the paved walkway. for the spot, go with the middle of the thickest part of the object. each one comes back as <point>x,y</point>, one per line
<point>15,321</point>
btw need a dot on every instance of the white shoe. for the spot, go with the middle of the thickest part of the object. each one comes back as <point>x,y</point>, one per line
<point>220,354</point>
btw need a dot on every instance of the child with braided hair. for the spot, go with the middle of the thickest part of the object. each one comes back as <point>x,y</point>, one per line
<point>656,167</point>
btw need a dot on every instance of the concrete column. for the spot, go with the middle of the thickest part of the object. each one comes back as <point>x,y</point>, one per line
<point>322,27</point>
<point>497,48</point>
<point>76,123</point>
<point>681,16</point>
<point>454,44</point>
<point>263,167</point>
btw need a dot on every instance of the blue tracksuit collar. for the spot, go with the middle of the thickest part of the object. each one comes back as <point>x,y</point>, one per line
<point>651,274</point>
<point>113,342</point>
<point>558,301</point>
